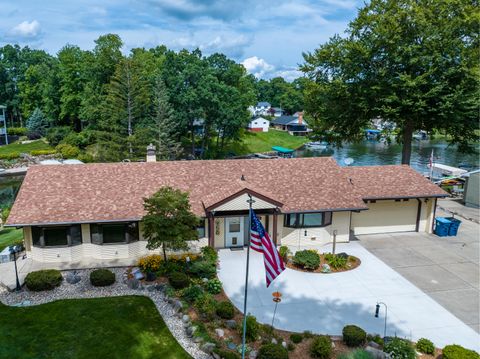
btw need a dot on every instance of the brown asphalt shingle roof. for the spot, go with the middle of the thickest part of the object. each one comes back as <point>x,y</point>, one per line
<point>395,181</point>
<point>115,191</point>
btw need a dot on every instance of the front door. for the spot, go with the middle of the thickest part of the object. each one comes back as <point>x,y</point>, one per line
<point>233,231</point>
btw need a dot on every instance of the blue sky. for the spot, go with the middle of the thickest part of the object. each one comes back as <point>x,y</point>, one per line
<point>267,37</point>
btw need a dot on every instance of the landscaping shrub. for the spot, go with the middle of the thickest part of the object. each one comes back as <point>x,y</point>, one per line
<point>203,269</point>
<point>17,131</point>
<point>296,338</point>
<point>206,305</point>
<point>192,293</point>
<point>46,279</point>
<point>42,152</point>
<point>252,328</point>
<point>336,261</point>
<point>56,134</point>
<point>455,351</point>
<point>321,347</point>
<point>291,347</point>
<point>425,346</point>
<point>178,280</point>
<point>150,263</point>
<point>227,354</point>
<point>307,334</point>
<point>307,259</point>
<point>214,286</point>
<point>170,266</point>
<point>67,151</point>
<point>102,277</point>
<point>209,254</point>
<point>9,156</point>
<point>284,252</point>
<point>376,339</point>
<point>354,336</point>
<point>225,310</point>
<point>356,354</point>
<point>400,348</point>
<point>272,351</point>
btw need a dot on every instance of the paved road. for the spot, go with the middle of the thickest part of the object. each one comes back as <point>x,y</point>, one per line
<point>325,303</point>
<point>446,268</point>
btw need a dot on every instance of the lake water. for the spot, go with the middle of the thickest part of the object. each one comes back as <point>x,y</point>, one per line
<point>363,153</point>
<point>367,153</point>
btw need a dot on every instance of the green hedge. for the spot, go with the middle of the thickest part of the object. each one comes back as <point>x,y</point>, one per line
<point>17,131</point>
<point>307,259</point>
<point>46,279</point>
<point>272,351</point>
<point>321,347</point>
<point>225,310</point>
<point>455,351</point>
<point>425,346</point>
<point>9,156</point>
<point>102,278</point>
<point>296,338</point>
<point>42,152</point>
<point>354,336</point>
<point>178,280</point>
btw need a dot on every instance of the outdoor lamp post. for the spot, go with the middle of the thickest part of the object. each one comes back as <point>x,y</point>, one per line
<point>14,250</point>
<point>377,310</point>
<point>277,298</point>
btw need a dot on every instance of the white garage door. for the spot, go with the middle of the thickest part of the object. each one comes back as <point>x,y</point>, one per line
<point>386,217</point>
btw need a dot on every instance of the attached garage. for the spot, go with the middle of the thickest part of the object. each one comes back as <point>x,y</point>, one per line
<point>386,217</point>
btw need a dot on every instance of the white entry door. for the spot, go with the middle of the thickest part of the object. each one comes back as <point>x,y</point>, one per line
<point>234,231</point>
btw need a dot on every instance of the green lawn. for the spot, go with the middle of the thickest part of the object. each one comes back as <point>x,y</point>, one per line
<point>9,236</point>
<point>121,327</point>
<point>17,147</point>
<point>253,142</point>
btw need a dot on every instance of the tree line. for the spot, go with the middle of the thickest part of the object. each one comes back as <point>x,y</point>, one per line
<point>116,104</point>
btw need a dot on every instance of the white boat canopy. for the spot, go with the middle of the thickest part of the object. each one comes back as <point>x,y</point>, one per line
<point>445,170</point>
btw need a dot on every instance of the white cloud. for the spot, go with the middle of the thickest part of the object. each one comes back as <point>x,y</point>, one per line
<point>258,67</point>
<point>26,30</point>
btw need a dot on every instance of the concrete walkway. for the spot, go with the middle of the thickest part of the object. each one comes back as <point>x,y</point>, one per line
<point>325,303</point>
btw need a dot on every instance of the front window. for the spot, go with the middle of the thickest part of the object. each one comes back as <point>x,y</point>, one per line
<point>305,220</point>
<point>234,225</point>
<point>201,229</point>
<point>112,233</point>
<point>56,236</point>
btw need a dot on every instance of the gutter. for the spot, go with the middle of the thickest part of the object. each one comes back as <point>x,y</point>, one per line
<point>419,213</point>
<point>406,197</point>
<point>72,222</point>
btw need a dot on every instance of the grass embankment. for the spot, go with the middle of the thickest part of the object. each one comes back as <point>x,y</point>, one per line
<point>253,142</point>
<point>14,150</point>
<point>121,327</point>
<point>10,236</point>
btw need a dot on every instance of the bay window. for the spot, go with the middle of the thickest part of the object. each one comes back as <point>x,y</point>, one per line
<point>57,236</point>
<point>114,233</point>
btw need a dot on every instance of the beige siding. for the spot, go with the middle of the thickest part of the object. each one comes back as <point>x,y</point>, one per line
<point>386,217</point>
<point>219,233</point>
<point>86,238</point>
<point>27,238</point>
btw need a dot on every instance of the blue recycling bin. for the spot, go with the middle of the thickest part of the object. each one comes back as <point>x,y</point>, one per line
<point>454,225</point>
<point>442,226</point>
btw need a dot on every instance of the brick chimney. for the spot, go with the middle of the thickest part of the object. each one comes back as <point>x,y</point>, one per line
<point>151,155</point>
<point>300,118</point>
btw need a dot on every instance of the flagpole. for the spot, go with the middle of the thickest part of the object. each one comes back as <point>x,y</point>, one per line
<point>244,332</point>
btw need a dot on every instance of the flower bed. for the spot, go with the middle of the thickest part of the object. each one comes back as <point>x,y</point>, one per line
<point>327,262</point>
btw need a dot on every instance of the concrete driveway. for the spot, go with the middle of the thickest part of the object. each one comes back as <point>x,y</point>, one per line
<point>446,268</point>
<point>325,303</point>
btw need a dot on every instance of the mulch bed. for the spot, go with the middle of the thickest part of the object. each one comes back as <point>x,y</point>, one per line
<point>353,262</point>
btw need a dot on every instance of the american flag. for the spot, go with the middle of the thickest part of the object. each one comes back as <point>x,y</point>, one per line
<point>261,242</point>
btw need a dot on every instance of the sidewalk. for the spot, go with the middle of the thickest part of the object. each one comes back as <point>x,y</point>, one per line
<point>454,206</point>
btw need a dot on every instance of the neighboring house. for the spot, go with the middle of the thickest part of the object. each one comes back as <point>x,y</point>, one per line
<point>276,111</point>
<point>471,191</point>
<point>262,109</point>
<point>259,124</point>
<point>294,125</point>
<point>93,212</point>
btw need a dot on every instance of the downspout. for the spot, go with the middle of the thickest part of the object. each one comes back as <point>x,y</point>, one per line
<point>419,212</point>
<point>434,212</point>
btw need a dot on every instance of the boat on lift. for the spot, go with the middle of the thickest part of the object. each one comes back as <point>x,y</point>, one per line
<point>316,145</point>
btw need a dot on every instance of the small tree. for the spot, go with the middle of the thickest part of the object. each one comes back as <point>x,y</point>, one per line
<point>37,123</point>
<point>169,222</point>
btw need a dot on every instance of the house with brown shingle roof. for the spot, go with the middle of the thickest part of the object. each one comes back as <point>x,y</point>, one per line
<point>94,211</point>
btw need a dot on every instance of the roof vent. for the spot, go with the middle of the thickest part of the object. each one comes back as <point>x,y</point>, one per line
<point>242,178</point>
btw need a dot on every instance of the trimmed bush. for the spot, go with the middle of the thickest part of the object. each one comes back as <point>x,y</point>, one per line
<point>225,310</point>
<point>336,261</point>
<point>425,346</point>
<point>209,254</point>
<point>56,134</point>
<point>321,347</point>
<point>17,131</point>
<point>102,277</point>
<point>400,348</point>
<point>206,305</point>
<point>46,279</point>
<point>9,156</point>
<point>227,354</point>
<point>455,351</point>
<point>272,351</point>
<point>203,269</point>
<point>192,293</point>
<point>307,259</point>
<point>178,280</point>
<point>296,338</point>
<point>354,336</point>
<point>214,286</point>
<point>42,152</point>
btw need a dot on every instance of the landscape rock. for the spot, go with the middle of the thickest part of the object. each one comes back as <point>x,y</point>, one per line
<point>333,345</point>
<point>231,346</point>
<point>151,288</point>
<point>326,268</point>
<point>342,255</point>
<point>160,287</point>
<point>177,305</point>
<point>284,344</point>
<point>185,318</point>
<point>220,332</point>
<point>208,347</point>
<point>216,356</point>
<point>253,354</point>
<point>232,324</point>
<point>376,353</point>
<point>190,330</point>
<point>274,341</point>
<point>374,345</point>
<point>197,340</point>
<point>73,277</point>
